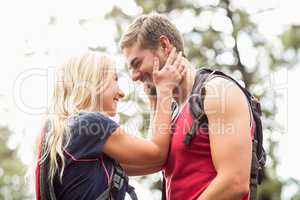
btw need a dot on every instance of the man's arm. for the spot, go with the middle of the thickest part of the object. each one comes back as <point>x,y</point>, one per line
<point>230,141</point>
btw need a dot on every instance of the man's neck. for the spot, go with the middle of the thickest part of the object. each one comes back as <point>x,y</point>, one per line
<point>185,87</point>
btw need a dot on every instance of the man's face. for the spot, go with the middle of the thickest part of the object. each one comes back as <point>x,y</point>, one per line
<point>140,62</point>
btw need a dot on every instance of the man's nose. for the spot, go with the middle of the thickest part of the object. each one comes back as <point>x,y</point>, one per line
<point>136,75</point>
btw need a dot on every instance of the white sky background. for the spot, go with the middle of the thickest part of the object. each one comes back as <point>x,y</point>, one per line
<point>24,88</point>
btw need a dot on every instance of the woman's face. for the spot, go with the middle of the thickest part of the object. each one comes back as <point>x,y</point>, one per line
<point>110,97</point>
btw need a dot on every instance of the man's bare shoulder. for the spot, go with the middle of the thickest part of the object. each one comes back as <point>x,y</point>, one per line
<point>223,95</point>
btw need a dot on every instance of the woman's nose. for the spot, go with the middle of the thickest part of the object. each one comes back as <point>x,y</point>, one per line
<point>121,93</point>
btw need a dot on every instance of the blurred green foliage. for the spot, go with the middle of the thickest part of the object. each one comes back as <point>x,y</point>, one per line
<point>12,171</point>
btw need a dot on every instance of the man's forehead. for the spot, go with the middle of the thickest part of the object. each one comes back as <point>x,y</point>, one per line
<point>132,51</point>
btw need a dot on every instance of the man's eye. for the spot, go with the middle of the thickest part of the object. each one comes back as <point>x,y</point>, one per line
<point>137,64</point>
<point>131,67</point>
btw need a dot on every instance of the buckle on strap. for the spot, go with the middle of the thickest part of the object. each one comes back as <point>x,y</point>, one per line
<point>253,181</point>
<point>118,179</point>
<point>117,182</point>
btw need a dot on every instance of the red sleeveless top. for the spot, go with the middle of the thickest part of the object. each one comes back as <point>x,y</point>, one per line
<point>189,169</point>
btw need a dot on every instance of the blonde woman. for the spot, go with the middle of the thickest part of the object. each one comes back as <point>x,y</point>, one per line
<point>81,147</point>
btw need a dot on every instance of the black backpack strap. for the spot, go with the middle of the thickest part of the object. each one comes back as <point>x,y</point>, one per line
<point>258,136</point>
<point>131,192</point>
<point>196,99</point>
<point>118,179</point>
<point>107,193</point>
<point>163,188</point>
<point>258,152</point>
<point>254,172</point>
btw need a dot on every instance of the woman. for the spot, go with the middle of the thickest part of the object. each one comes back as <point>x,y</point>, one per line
<point>81,147</point>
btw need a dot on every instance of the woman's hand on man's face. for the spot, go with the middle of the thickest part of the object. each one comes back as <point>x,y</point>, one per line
<point>167,78</point>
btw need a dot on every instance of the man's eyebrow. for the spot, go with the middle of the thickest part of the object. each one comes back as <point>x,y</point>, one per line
<point>132,62</point>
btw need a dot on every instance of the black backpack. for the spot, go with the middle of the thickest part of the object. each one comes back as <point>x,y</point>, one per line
<point>200,121</point>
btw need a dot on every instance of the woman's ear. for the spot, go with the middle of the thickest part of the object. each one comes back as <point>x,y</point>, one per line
<point>165,44</point>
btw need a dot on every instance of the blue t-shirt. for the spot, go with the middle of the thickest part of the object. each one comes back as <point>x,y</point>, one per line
<point>85,175</point>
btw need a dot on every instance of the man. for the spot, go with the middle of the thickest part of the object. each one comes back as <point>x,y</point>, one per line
<point>217,163</point>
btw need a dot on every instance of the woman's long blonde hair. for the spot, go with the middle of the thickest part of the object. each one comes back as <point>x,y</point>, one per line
<point>79,83</point>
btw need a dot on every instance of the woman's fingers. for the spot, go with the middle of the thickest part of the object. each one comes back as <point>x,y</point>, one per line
<point>182,69</point>
<point>178,60</point>
<point>171,57</point>
<point>172,72</point>
<point>178,65</point>
<point>155,65</point>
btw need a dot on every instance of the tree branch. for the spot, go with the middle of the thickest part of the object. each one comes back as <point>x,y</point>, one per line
<point>247,77</point>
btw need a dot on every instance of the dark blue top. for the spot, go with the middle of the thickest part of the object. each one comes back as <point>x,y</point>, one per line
<point>84,175</point>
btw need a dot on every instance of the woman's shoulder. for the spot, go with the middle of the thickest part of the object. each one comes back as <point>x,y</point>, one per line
<point>92,121</point>
<point>89,132</point>
<point>88,117</point>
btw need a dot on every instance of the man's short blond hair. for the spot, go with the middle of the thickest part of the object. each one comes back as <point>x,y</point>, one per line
<point>147,29</point>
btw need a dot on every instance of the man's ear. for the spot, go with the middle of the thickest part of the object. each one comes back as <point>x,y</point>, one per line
<point>165,44</point>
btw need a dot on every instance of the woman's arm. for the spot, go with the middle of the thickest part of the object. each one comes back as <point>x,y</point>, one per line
<point>141,170</point>
<point>129,149</point>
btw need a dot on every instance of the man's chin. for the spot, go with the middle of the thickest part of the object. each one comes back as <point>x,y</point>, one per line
<point>153,91</point>
<point>149,87</point>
